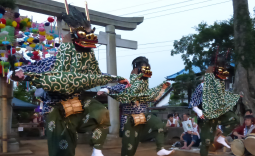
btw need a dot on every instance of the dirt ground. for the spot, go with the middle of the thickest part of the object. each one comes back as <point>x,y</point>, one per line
<point>39,148</point>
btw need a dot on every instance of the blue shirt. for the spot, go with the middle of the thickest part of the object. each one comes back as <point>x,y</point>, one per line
<point>116,89</point>
<point>44,65</point>
<point>197,96</point>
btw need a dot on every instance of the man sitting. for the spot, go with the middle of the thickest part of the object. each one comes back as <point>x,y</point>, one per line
<point>171,122</point>
<point>241,131</point>
<point>190,135</point>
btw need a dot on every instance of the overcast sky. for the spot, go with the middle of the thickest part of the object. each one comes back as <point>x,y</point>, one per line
<point>168,21</point>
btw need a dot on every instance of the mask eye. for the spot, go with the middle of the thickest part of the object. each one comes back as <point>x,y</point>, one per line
<point>81,34</point>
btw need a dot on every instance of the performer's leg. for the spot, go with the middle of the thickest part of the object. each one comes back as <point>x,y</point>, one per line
<point>130,138</point>
<point>208,128</point>
<point>229,121</point>
<point>61,136</point>
<point>96,119</point>
<point>155,128</point>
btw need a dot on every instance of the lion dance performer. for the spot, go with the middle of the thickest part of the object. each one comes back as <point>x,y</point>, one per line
<point>136,124</point>
<point>61,82</point>
<point>214,106</point>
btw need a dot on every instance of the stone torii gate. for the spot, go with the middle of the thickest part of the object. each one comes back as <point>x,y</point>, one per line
<point>108,38</point>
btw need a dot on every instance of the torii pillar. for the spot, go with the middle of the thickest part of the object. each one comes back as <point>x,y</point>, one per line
<point>111,40</point>
<point>111,59</point>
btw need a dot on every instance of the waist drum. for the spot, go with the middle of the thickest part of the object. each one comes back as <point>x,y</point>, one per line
<point>72,106</point>
<point>139,119</point>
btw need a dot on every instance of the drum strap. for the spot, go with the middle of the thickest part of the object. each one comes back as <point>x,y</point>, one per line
<point>250,130</point>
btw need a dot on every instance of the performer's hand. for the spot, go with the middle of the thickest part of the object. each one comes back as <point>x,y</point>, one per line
<point>202,117</point>
<point>124,81</point>
<point>19,73</point>
<point>100,93</point>
<point>165,85</point>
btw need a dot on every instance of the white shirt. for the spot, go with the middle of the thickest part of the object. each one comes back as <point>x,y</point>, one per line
<point>170,123</point>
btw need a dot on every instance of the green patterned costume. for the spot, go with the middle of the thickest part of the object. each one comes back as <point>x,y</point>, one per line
<point>132,135</point>
<point>62,133</point>
<point>216,101</point>
<point>217,105</point>
<point>73,71</point>
<point>139,91</point>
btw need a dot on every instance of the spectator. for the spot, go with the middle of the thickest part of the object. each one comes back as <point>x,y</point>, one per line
<point>176,117</point>
<point>195,126</point>
<point>241,131</point>
<point>248,112</point>
<point>171,122</point>
<point>190,136</point>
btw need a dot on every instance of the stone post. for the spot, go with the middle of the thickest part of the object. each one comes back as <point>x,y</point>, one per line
<point>113,105</point>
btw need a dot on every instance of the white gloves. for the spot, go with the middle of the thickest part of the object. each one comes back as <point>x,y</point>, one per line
<point>198,111</point>
<point>105,90</point>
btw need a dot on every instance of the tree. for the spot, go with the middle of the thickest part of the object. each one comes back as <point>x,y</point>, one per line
<point>198,49</point>
<point>236,35</point>
<point>244,39</point>
<point>184,83</point>
<point>21,93</point>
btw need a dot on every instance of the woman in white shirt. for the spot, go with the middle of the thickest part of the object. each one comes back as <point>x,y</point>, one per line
<point>171,122</point>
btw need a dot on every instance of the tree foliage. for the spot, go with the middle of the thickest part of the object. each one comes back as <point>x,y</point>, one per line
<point>21,92</point>
<point>185,83</point>
<point>198,49</point>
